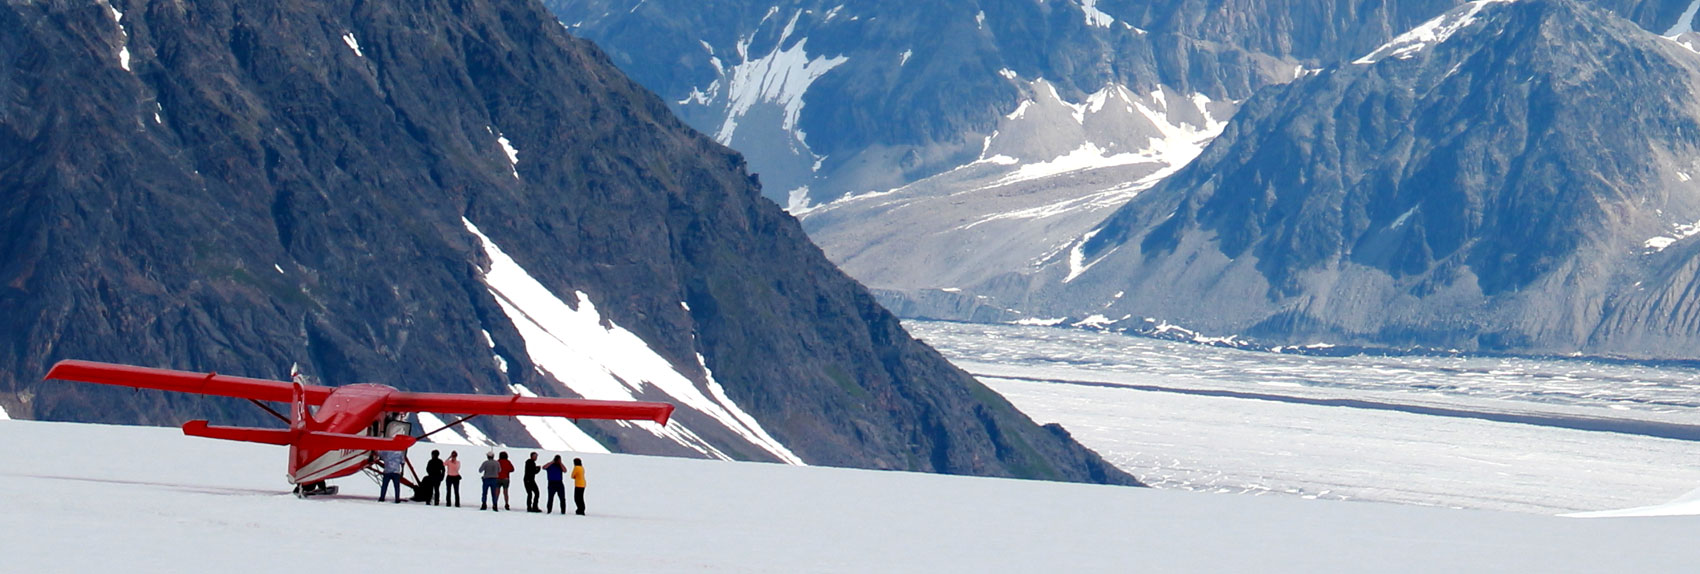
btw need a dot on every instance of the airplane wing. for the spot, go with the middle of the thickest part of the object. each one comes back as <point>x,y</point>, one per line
<point>184,381</point>
<point>516,405</point>
<point>283,392</point>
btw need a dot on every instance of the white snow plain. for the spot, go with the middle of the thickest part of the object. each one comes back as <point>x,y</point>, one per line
<point>98,498</point>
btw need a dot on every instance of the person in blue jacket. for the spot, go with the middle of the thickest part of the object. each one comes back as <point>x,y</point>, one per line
<point>555,472</point>
<point>393,461</point>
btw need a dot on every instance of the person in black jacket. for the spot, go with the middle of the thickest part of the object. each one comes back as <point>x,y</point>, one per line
<point>531,493</point>
<point>434,479</point>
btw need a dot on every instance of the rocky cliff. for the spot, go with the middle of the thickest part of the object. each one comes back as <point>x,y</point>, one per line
<point>449,196</point>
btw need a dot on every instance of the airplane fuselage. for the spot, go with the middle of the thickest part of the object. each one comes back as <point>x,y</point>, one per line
<point>350,409</point>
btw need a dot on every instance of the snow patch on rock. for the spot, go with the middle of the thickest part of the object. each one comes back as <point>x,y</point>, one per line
<point>597,359</point>
<point>1685,22</point>
<point>1428,34</point>
<point>781,77</point>
<point>123,37</point>
<point>1094,16</point>
<point>1679,232</point>
<point>507,150</point>
<point>1172,141</point>
<point>353,44</point>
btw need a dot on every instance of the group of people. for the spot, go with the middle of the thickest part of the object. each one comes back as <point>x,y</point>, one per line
<point>442,480</point>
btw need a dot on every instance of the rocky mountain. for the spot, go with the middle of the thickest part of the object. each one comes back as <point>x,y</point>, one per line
<point>448,196</point>
<point>1287,233</point>
<point>931,146</point>
<point>1509,176</point>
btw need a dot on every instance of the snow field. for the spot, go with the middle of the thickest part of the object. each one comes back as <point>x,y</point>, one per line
<point>152,500</point>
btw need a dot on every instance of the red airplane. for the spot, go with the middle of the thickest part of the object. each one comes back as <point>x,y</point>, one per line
<point>351,421</point>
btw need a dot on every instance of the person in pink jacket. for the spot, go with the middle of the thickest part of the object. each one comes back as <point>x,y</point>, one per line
<point>451,488</point>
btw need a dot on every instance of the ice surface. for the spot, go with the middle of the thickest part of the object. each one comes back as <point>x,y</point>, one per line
<point>597,359</point>
<point>1484,433</point>
<point>96,498</point>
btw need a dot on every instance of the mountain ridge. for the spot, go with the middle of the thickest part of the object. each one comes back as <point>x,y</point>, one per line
<point>1489,190</point>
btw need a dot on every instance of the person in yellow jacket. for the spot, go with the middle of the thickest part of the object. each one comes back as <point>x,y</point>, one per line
<point>578,485</point>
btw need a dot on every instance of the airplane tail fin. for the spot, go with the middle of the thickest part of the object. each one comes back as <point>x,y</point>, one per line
<point>300,423</point>
<point>300,420</point>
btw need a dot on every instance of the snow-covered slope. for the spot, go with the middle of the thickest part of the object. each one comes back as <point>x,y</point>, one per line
<point>594,358</point>
<point>1052,170</point>
<point>87,498</point>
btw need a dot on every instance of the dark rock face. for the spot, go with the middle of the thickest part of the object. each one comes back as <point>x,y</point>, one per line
<point>1523,185</point>
<point>238,186</point>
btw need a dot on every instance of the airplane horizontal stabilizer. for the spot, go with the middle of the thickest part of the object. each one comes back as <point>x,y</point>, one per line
<point>264,436</point>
